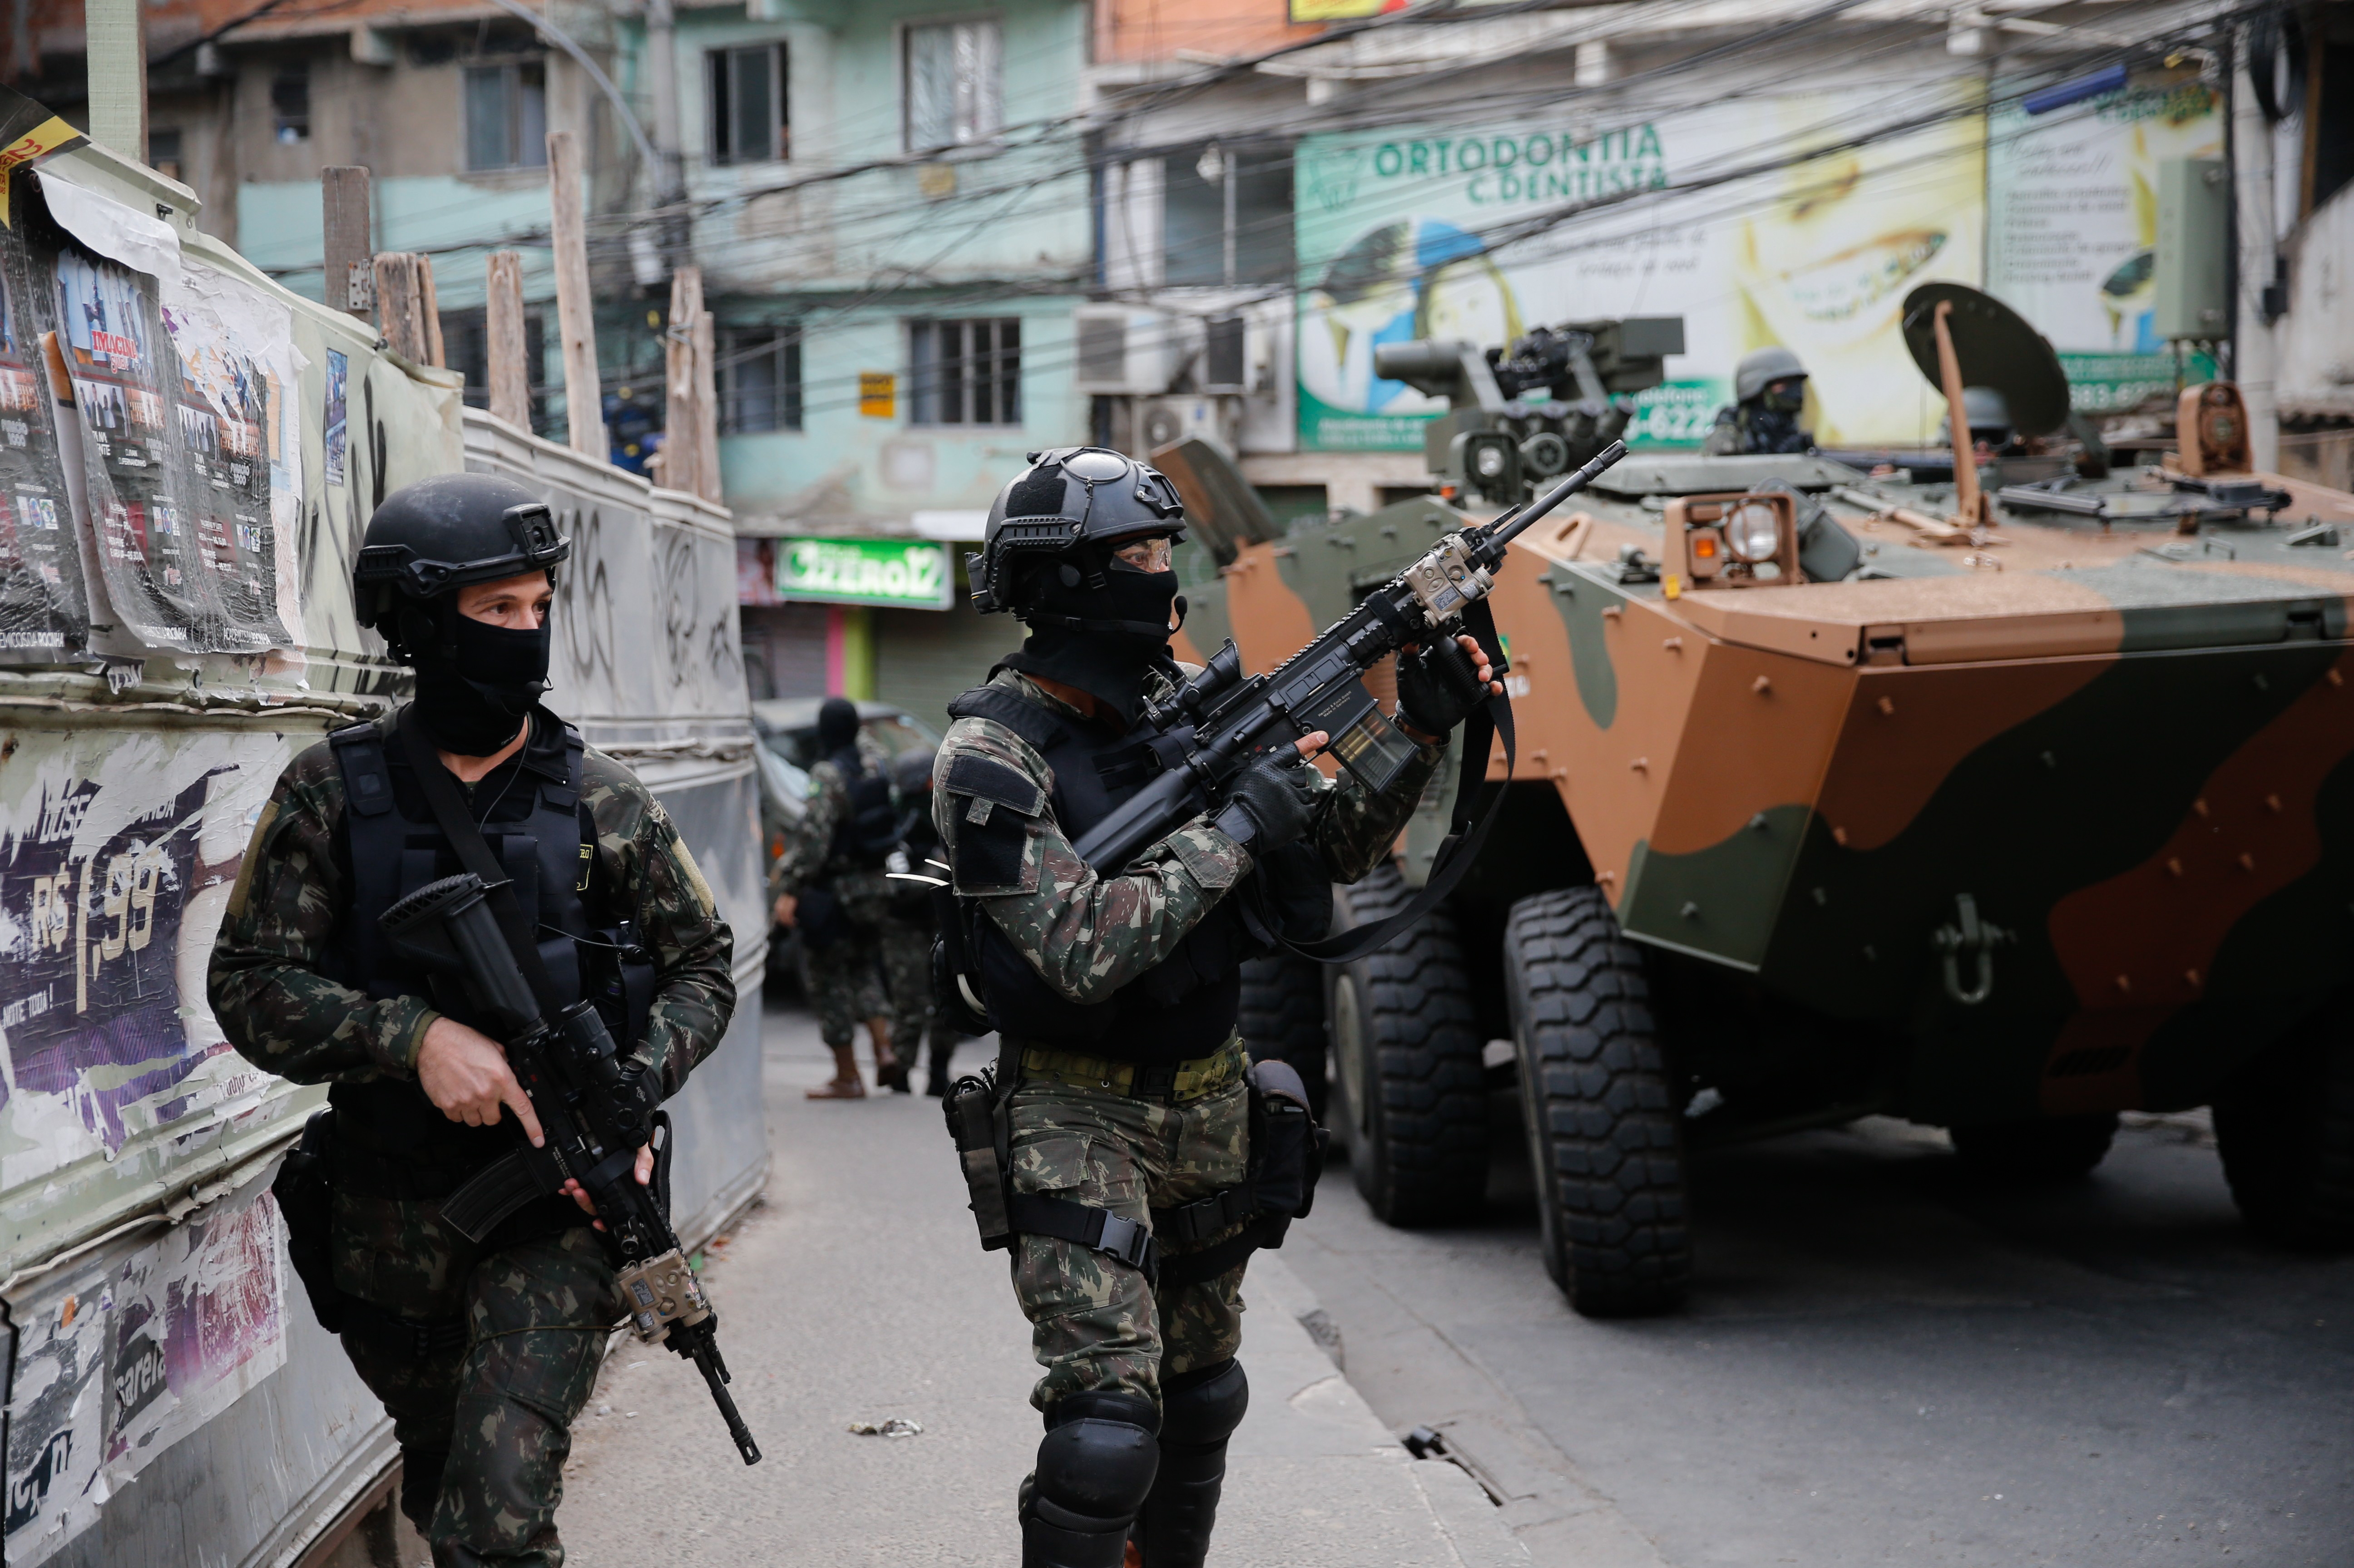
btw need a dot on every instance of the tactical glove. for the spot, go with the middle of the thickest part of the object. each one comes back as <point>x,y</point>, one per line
<point>1269,802</point>
<point>1437,686</point>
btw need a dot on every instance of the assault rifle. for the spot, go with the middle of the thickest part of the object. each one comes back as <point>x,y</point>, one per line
<point>595,1115</point>
<point>1220,722</point>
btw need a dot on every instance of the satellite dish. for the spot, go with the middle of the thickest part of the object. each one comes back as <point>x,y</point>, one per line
<point>1996,348</point>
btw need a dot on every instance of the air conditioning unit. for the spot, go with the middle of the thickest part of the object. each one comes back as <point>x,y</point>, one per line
<point>1165,421</point>
<point>1123,350</point>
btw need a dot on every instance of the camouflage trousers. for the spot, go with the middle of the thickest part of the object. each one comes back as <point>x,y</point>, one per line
<point>1095,1325</point>
<point>842,981</point>
<point>484,1415</point>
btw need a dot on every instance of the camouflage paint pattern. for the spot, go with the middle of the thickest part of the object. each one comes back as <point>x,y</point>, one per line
<point>2123,746</point>
<point>484,1426</point>
<point>1089,935</point>
<point>1095,1325</point>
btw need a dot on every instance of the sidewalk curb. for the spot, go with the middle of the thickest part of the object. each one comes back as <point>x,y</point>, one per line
<point>1277,1340</point>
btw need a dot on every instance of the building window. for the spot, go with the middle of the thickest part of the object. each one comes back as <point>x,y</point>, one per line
<point>954,81</point>
<point>965,372</point>
<point>290,101</point>
<point>749,123</point>
<point>506,116</point>
<point>1225,215</point>
<point>759,379</point>
<point>163,152</point>
<point>466,341</point>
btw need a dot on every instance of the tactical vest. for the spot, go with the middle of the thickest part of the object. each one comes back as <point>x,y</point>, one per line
<point>545,838</point>
<point>869,830</point>
<point>1184,1007</point>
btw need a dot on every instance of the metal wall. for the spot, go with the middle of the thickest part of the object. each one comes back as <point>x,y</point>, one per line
<point>168,1399</point>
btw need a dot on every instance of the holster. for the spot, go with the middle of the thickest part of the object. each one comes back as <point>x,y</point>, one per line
<point>304,1188</point>
<point>978,1123</point>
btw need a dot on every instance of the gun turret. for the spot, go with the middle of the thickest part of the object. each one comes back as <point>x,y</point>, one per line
<point>1498,439</point>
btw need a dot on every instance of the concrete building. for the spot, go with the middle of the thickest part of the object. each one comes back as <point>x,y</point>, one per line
<point>447,102</point>
<point>890,204</point>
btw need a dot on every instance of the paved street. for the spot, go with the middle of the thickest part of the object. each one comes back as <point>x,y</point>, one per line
<point>860,1293</point>
<point>1882,1365</point>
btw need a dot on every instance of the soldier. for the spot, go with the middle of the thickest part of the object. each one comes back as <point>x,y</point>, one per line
<point>909,927</point>
<point>1115,994</point>
<point>1770,386</point>
<point>483,1354</point>
<point>832,886</point>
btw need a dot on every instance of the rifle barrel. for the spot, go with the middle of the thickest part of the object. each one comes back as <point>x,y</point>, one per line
<point>1503,533</point>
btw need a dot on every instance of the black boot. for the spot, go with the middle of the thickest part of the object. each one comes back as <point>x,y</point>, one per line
<point>1199,1411</point>
<point>943,1049</point>
<point>1095,1467</point>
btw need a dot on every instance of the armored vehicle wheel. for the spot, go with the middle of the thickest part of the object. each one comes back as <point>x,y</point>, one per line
<point>1605,1139</point>
<point>2285,1130</point>
<point>1413,1104</point>
<point>2057,1149</point>
<point>1283,1017</point>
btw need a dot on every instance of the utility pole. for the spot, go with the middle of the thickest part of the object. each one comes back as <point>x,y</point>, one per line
<point>117,76</point>
<point>2255,357</point>
<point>575,307</point>
<point>669,173</point>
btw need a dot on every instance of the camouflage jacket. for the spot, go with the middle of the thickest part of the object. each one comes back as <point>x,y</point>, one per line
<point>1089,935</point>
<point>808,856</point>
<point>270,983</point>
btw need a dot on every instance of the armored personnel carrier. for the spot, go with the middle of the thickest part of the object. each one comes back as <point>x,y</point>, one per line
<point>2003,804</point>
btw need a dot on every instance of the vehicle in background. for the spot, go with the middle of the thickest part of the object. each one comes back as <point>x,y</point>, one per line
<point>2003,806</point>
<point>787,728</point>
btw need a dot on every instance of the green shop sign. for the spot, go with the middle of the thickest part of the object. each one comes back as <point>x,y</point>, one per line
<point>912,573</point>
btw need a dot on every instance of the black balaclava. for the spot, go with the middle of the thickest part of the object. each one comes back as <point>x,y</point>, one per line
<point>476,682</point>
<point>1125,613</point>
<point>837,725</point>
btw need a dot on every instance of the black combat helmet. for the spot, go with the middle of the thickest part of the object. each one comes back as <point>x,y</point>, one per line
<point>1073,506</point>
<point>439,535</point>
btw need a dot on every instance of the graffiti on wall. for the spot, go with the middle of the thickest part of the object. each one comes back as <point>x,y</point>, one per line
<point>120,1359</point>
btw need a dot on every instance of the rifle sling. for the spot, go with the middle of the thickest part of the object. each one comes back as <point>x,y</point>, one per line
<point>1491,718</point>
<point>465,836</point>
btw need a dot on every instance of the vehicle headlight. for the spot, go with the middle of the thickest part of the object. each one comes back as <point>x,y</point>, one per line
<point>1754,530</point>
<point>1488,462</point>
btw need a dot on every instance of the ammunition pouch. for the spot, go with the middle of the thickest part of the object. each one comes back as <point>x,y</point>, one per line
<point>305,1189</point>
<point>1286,1160</point>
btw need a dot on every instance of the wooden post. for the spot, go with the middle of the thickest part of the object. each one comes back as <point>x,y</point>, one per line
<point>706,407</point>
<point>510,364</point>
<point>351,242</point>
<point>575,309</point>
<point>117,53</point>
<point>401,286</point>
<point>429,309</point>
<point>682,452</point>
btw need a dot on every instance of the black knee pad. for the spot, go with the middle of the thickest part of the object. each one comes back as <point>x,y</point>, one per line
<point>1204,1406</point>
<point>1199,1411</point>
<point>1095,1469</point>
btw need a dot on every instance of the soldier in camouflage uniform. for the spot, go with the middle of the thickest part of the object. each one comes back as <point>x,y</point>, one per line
<point>833,886</point>
<point>483,1354</point>
<point>1116,996</point>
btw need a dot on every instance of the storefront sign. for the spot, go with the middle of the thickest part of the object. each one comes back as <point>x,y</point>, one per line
<point>909,574</point>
